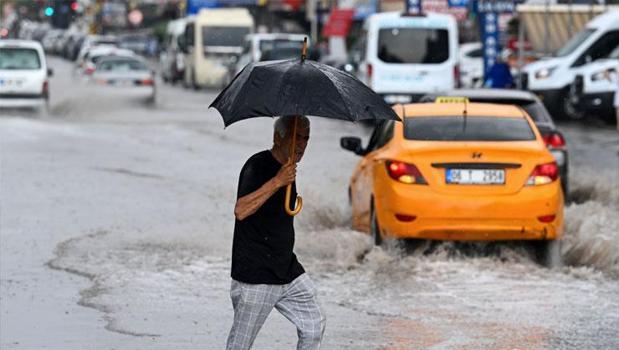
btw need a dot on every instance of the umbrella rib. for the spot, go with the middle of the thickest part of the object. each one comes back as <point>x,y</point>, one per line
<point>344,103</point>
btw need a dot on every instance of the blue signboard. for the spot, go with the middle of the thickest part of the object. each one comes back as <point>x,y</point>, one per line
<point>365,8</point>
<point>490,39</point>
<point>458,3</point>
<point>194,6</point>
<point>495,6</point>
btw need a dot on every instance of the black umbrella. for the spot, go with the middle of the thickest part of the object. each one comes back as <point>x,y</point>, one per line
<point>298,87</point>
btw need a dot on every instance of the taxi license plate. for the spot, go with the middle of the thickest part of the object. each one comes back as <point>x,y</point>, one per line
<point>475,176</point>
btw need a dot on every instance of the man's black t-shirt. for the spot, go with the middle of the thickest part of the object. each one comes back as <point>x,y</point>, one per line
<point>263,242</point>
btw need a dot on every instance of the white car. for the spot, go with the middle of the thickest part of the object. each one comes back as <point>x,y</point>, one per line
<point>128,75</point>
<point>95,40</point>
<point>89,61</point>
<point>593,90</point>
<point>472,64</point>
<point>23,74</point>
<point>550,78</point>
<point>257,44</point>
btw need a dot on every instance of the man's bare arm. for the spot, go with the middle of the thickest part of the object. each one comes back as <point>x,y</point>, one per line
<point>249,204</point>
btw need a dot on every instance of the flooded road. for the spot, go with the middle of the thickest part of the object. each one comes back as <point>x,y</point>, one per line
<point>117,224</point>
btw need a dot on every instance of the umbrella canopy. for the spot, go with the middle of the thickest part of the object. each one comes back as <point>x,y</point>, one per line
<point>299,87</point>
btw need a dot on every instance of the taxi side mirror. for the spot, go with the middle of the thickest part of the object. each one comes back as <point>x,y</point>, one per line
<point>352,144</point>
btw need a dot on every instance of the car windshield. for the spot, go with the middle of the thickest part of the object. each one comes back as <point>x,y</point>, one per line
<point>224,36</point>
<point>574,42</point>
<point>459,128</point>
<point>537,111</point>
<point>614,54</point>
<point>270,44</point>
<point>97,58</point>
<point>122,66</point>
<point>430,45</point>
<point>19,59</point>
<point>286,53</point>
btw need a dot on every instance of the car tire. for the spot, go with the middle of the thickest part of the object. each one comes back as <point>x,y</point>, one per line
<point>374,227</point>
<point>548,253</point>
<point>349,197</point>
<point>194,85</point>
<point>572,112</point>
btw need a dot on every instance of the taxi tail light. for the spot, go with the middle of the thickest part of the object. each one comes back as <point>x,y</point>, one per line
<point>554,140</point>
<point>457,81</point>
<point>405,173</point>
<point>543,174</point>
<point>405,218</point>
<point>147,81</point>
<point>546,218</point>
<point>370,70</point>
<point>89,70</point>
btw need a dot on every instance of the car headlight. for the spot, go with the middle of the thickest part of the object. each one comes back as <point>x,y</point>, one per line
<point>544,72</point>
<point>601,75</point>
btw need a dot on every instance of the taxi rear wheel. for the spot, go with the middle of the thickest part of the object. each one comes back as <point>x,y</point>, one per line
<point>548,253</point>
<point>374,227</point>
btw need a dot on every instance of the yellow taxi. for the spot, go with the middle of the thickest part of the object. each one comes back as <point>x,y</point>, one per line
<point>454,170</point>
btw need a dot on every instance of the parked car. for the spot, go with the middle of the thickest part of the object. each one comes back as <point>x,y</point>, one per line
<point>50,40</point>
<point>23,74</point>
<point>553,138</point>
<point>551,78</point>
<point>458,171</point>
<point>593,90</point>
<point>471,65</point>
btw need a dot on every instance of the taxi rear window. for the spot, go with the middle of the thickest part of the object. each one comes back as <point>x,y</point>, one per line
<point>471,128</point>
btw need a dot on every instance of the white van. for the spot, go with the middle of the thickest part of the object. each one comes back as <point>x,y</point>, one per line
<point>172,59</point>
<point>593,91</point>
<point>550,78</point>
<point>257,44</point>
<point>213,40</point>
<point>407,56</point>
<point>23,74</point>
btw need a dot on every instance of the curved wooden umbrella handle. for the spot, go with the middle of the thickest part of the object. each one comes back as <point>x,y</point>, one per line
<point>298,204</point>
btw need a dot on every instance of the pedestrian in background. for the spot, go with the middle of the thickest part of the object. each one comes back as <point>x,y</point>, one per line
<point>265,271</point>
<point>500,75</point>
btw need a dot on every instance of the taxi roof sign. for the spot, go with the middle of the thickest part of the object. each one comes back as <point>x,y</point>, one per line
<point>451,99</point>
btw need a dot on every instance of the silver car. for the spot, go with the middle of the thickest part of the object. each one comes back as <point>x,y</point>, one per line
<point>130,75</point>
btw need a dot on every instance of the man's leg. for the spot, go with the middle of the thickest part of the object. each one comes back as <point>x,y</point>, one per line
<point>252,304</point>
<point>617,116</point>
<point>299,305</point>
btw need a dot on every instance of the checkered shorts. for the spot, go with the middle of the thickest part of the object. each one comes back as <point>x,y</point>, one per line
<point>296,301</point>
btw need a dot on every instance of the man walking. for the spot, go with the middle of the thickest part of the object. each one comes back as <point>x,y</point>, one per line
<point>265,271</point>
